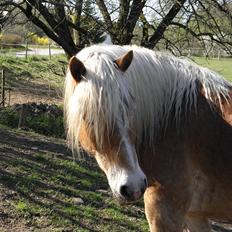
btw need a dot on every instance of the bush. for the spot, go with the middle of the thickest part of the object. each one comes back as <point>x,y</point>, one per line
<point>46,124</point>
<point>11,39</point>
<point>9,117</point>
<point>39,40</point>
<point>41,118</point>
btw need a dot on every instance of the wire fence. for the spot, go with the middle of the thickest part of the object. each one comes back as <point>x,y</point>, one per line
<point>25,50</point>
<point>213,52</point>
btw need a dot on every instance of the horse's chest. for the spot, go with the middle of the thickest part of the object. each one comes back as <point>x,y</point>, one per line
<point>208,196</point>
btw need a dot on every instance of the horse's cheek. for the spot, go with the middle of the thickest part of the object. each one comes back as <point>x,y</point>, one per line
<point>86,141</point>
<point>102,162</point>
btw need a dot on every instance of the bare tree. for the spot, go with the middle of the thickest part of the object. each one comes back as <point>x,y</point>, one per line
<point>55,18</point>
<point>169,23</point>
<point>190,23</point>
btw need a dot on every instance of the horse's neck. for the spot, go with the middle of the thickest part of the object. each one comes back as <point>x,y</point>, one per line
<point>210,140</point>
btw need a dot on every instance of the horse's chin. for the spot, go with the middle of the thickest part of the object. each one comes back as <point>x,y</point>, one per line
<point>123,201</point>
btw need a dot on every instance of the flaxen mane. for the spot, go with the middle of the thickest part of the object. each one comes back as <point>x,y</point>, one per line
<point>143,95</point>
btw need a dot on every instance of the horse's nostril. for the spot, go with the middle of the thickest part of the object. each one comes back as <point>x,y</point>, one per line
<point>124,191</point>
<point>143,190</point>
<point>145,182</point>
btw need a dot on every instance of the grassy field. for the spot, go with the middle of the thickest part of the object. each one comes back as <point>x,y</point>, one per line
<point>36,79</point>
<point>222,66</point>
<point>40,68</point>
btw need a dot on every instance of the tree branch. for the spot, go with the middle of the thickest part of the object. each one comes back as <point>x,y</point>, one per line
<point>158,34</point>
<point>104,12</point>
<point>123,13</point>
<point>136,10</point>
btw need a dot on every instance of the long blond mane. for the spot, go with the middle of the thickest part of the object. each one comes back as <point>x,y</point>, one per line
<point>143,95</point>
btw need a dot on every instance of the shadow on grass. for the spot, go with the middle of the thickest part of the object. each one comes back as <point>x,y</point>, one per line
<point>41,173</point>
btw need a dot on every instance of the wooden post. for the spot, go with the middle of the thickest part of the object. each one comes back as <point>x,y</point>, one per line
<point>9,96</point>
<point>49,51</point>
<point>3,88</point>
<point>219,54</point>
<point>26,49</point>
<point>22,116</point>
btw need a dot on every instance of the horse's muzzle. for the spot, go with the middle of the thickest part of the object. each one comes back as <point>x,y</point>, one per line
<point>129,195</point>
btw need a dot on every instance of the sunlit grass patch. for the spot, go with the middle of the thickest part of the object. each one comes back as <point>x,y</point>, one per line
<point>223,65</point>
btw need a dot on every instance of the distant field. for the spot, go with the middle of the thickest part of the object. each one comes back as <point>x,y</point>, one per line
<point>222,66</point>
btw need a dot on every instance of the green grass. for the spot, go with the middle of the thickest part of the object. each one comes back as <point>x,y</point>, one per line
<point>6,50</point>
<point>223,66</point>
<point>21,206</point>
<point>45,183</point>
<point>21,72</point>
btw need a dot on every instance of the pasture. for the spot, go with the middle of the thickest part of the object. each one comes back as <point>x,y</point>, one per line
<point>222,66</point>
<point>41,188</point>
<point>36,79</point>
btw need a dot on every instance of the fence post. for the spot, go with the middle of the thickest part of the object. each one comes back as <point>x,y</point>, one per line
<point>26,49</point>
<point>218,55</point>
<point>9,96</point>
<point>3,88</point>
<point>22,115</point>
<point>49,51</point>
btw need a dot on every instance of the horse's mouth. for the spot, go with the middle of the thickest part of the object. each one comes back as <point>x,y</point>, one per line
<point>125,201</point>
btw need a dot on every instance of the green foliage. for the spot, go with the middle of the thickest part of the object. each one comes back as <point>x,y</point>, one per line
<point>21,205</point>
<point>9,117</point>
<point>46,124</point>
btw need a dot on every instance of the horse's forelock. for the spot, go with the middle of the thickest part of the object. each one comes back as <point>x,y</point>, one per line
<point>99,98</point>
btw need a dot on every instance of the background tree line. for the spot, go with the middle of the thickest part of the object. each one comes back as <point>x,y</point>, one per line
<point>163,24</point>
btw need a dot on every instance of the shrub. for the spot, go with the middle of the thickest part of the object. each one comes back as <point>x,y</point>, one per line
<point>9,117</point>
<point>11,39</point>
<point>41,118</point>
<point>39,40</point>
<point>46,124</point>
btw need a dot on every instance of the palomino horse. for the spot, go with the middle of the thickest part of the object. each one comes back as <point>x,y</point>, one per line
<point>158,126</point>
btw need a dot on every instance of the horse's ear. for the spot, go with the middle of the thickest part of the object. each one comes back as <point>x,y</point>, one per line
<point>124,62</point>
<point>76,68</point>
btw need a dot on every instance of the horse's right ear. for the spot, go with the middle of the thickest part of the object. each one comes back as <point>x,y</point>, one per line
<point>124,61</point>
<point>76,68</point>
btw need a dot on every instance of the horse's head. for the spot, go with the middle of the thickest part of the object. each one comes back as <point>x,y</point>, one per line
<point>108,137</point>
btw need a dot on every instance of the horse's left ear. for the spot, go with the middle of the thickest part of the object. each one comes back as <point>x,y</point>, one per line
<point>76,68</point>
<point>124,62</point>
